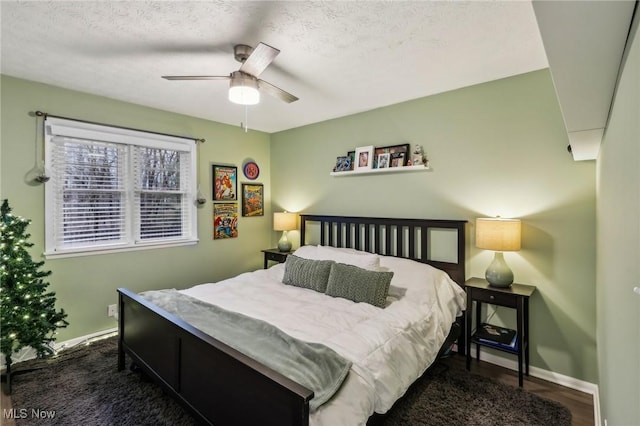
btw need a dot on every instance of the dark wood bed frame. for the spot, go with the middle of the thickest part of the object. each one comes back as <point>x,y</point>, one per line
<point>222,386</point>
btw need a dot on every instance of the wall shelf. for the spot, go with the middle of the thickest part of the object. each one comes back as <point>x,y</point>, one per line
<point>418,168</point>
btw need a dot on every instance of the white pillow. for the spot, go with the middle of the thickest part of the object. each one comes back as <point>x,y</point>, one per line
<point>361,259</point>
<point>307,252</point>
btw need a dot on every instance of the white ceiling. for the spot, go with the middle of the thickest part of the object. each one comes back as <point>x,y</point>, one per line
<point>339,58</point>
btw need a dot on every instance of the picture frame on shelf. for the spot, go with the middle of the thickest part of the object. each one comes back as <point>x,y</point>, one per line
<point>252,199</point>
<point>352,158</point>
<point>384,160</point>
<point>343,164</point>
<point>398,155</point>
<point>364,158</point>
<point>225,182</point>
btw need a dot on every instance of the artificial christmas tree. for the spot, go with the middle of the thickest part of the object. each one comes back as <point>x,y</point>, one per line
<point>28,317</point>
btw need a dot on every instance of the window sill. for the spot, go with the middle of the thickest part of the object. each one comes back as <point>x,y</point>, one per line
<point>119,249</point>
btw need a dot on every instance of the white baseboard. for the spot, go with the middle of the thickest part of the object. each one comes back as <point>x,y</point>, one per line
<point>550,376</point>
<point>29,353</point>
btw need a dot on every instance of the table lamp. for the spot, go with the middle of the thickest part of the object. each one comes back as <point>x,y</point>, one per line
<point>499,235</point>
<point>284,222</point>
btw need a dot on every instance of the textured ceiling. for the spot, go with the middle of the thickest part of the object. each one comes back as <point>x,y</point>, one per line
<point>339,58</point>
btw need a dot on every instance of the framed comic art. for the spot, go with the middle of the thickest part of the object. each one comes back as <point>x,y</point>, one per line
<point>398,156</point>
<point>252,199</point>
<point>364,158</point>
<point>225,221</point>
<point>225,180</point>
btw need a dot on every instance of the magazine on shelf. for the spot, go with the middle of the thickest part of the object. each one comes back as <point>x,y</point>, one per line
<point>512,345</point>
<point>496,334</point>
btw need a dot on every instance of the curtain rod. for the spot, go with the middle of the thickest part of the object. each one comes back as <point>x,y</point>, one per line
<point>45,115</point>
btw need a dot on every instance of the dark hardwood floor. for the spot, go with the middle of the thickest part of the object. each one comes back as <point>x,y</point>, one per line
<point>579,403</point>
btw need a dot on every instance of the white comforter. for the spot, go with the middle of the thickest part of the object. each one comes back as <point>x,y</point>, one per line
<point>389,348</point>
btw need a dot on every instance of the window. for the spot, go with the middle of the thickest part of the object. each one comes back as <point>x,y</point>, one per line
<point>117,189</point>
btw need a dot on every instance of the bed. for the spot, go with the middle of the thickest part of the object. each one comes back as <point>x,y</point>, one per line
<point>222,385</point>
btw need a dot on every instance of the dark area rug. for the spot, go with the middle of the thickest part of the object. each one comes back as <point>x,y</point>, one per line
<point>82,386</point>
<point>446,396</point>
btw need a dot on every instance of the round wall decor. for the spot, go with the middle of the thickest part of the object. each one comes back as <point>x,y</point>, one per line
<point>251,170</point>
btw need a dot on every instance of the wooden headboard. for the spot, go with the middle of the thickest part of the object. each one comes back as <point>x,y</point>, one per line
<point>408,238</point>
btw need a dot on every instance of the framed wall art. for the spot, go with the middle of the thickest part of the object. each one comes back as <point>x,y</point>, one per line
<point>398,156</point>
<point>252,199</point>
<point>225,180</point>
<point>364,158</point>
<point>225,220</point>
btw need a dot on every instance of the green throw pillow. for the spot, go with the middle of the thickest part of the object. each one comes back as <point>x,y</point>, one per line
<point>307,273</point>
<point>359,285</point>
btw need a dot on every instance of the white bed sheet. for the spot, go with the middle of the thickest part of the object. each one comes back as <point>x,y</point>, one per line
<point>389,348</point>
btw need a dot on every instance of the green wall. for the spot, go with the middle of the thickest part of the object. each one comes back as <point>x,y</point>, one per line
<point>86,285</point>
<point>618,265</point>
<point>496,149</point>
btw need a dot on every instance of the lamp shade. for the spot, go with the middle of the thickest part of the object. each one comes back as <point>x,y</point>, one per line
<point>498,234</point>
<point>285,221</point>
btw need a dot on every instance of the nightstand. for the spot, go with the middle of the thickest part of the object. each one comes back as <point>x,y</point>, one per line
<point>275,255</point>
<point>516,297</point>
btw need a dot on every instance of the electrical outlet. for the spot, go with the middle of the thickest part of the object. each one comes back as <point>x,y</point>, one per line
<point>112,310</point>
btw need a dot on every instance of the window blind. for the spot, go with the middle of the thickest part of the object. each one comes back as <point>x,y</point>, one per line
<point>89,184</point>
<point>161,193</point>
<point>114,188</point>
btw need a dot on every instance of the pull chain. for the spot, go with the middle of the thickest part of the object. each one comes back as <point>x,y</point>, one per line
<point>246,118</point>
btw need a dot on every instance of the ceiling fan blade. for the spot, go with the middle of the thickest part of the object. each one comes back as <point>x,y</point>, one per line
<point>259,59</point>
<point>196,77</point>
<point>276,91</point>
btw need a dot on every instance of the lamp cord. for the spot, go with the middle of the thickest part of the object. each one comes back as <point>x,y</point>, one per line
<point>495,309</point>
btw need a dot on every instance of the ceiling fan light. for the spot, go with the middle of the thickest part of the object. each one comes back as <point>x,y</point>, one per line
<point>244,91</point>
<point>244,95</point>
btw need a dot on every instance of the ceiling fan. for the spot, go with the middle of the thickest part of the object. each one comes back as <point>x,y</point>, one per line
<point>244,83</point>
